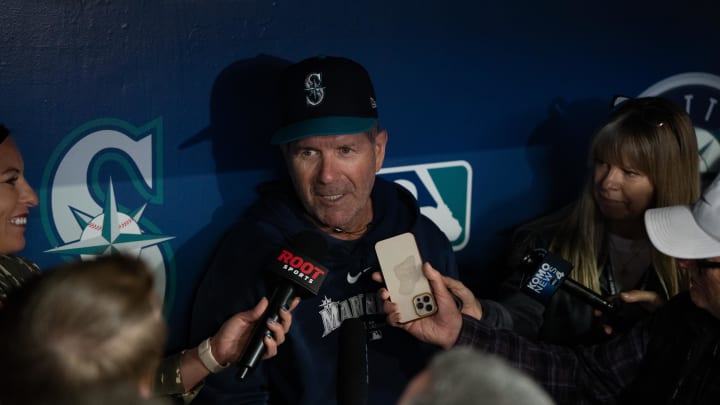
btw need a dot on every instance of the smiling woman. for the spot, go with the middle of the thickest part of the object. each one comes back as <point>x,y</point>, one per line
<point>16,198</point>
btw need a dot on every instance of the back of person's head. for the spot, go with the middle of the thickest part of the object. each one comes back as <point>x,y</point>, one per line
<point>82,324</point>
<point>463,375</point>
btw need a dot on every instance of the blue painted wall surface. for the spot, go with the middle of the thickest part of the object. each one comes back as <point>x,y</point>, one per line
<point>514,88</point>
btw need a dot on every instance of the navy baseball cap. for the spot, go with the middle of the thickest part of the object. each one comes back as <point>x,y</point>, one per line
<point>325,95</point>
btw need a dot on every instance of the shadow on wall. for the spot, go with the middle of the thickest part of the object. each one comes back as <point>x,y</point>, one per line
<point>557,156</point>
<point>567,134</point>
<point>242,119</point>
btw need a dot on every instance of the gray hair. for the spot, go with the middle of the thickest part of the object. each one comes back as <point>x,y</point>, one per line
<point>462,375</point>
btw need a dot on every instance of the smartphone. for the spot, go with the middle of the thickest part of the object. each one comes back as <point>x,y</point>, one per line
<point>401,267</point>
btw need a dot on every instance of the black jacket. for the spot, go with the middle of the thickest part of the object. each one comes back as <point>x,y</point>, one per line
<point>682,364</point>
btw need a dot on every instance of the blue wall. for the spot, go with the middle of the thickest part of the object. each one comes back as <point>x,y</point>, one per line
<point>513,89</point>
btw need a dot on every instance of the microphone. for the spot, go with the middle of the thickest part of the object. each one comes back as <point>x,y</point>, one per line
<point>547,272</point>
<point>298,274</point>
<point>352,372</point>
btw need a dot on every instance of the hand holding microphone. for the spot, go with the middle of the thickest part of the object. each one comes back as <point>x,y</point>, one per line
<point>297,273</point>
<point>232,336</point>
<point>637,303</point>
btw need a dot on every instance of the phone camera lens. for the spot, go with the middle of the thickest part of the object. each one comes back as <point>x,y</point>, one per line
<point>426,299</point>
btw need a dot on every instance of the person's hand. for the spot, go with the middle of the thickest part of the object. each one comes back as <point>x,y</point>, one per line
<point>470,305</point>
<point>649,301</point>
<point>230,340</point>
<point>606,327</point>
<point>443,327</point>
<point>228,344</point>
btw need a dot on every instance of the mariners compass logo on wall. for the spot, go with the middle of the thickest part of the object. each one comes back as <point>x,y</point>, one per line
<point>699,94</point>
<point>96,188</point>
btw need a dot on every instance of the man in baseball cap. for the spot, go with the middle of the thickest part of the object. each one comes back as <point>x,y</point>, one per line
<point>691,233</point>
<point>333,148</point>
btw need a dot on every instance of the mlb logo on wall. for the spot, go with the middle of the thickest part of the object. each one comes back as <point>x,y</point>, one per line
<point>443,191</point>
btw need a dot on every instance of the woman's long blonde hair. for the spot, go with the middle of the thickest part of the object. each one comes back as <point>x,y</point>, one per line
<point>658,138</point>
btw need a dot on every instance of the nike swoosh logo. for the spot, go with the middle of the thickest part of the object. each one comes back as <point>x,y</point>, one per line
<point>353,279</point>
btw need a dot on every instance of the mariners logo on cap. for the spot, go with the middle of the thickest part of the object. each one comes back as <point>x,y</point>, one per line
<point>314,88</point>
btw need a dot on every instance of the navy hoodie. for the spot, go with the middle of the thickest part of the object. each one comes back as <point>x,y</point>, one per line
<point>305,369</point>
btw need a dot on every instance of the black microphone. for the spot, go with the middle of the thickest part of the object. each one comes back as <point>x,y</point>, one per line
<point>546,273</point>
<point>352,372</point>
<point>298,273</point>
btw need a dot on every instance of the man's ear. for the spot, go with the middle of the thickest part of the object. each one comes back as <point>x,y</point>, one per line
<point>380,144</point>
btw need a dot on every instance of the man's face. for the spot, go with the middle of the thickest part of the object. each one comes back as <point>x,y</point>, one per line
<point>704,284</point>
<point>334,176</point>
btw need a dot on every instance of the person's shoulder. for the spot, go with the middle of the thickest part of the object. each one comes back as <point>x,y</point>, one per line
<point>18,261</point>
<point>278,206</point>
<point>389,191</point>
<point>276,192</point>
<point>681,300</point>
<point>435,237</point>
<point>680,313</point>
<point>17,269</point>
<point>680,305</point>
<point>541,230</point>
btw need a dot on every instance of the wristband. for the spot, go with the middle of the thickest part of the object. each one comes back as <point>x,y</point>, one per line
<point>207,358</point>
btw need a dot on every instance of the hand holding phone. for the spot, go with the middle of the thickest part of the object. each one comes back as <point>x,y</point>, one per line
<point>401,266</point>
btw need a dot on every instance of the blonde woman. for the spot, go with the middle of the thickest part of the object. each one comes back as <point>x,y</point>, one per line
<point>645,156</point>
